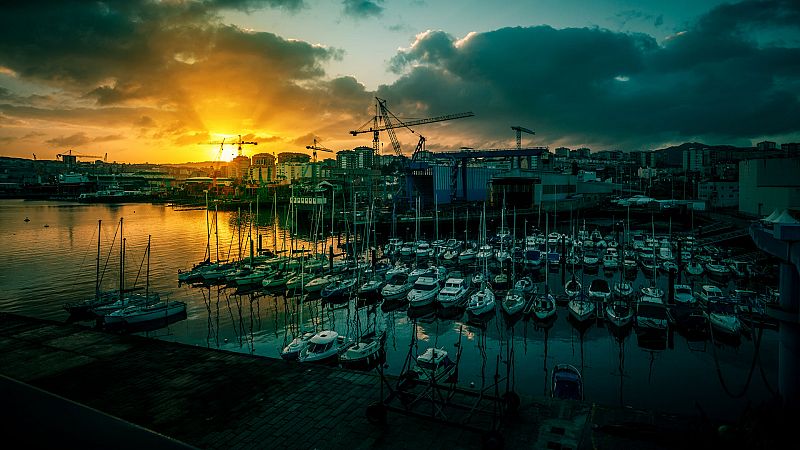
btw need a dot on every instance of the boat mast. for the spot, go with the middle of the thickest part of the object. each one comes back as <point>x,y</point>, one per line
<point>97,265</point>
<point>216,227</point>
<point>121,261</point>
<point>147,276</point>
<point>208,231</point>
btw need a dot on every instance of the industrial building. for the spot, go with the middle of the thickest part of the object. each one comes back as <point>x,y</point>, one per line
<point>768,184</point>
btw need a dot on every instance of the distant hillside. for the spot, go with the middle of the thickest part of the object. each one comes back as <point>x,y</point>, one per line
<point>673,155</point>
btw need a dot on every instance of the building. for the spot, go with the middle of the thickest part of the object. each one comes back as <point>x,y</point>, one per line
<point>583,152</point>
<point>288,172</point>
<point>358,158</point>
<point>719,194</point>
<point>767,184</point>
<point>240,167</point>
<point>694,159</point>
<point>766,146</point>
<point>562,152</point>
<point>791,149</point>
<point>263,169</point>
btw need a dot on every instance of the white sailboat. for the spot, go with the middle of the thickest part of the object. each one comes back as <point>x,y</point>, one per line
<point>482,301</point>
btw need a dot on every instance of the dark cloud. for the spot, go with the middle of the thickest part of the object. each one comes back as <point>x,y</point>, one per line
<point>145,122</point>
<point>251,5</point>
<point>362,8</point>
<point>74,140</point>
<point>599,87</point>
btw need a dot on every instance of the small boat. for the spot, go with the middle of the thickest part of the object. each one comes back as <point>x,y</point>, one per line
<point>668,266</point>
<point>623,289</point>
<point>590,260</point>
<point>500,281</point>
<point>423,292</point>
<point>482,301</point>
<point>694,268</point>
<point>432,366</point>
<point>163,310</point>
<point>611,260</point>
<point>718,269</point>
<point>467,255</point>
<point>709,293</point>
<point>371,288</point>
<point>652,291</point>
<point>651,315</point>
<point>293,349</point>
<point>683,295</point>
<point>317,284</point>
<point>581,309</point>
<point>572,288</point>
<point>739,269</point>
<point>454,292</point>
<point>363,353</point>
<point>399,268</point>
<point>323,346</point>
<point>544,307</point>
<point>567,383</point>
<point>513,302</point>
<point>397,288</point>
<point>599,290</point>
<point>339,290</point>
<point>525,284</point>
<point>722,315</point>
<point>619,313</point>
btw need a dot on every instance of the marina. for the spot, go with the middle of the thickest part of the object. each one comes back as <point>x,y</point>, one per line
<point>619,365</point>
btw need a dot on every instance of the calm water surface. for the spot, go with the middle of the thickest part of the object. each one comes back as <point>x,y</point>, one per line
<point>50,260</point>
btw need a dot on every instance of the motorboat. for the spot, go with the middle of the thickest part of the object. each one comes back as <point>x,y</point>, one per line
<point>651,315</point>
<point>533,258</point>
<point>590,260</point>
<point>467,255</point>
<point>718,269</point>
<point>668,266</point>
<point>423,292</point>
<point>423,250</point>
<point>323,346</point>
<point>683,295</point>
<point>566,383</point>
<point>722,315</point>
<point>454,292</point>
<point>709,293</point>
<point>293,349</point>
<point>371,288</point>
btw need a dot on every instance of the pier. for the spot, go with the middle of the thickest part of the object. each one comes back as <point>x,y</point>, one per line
<point>186,396</point>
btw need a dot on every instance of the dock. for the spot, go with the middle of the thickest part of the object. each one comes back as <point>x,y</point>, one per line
<point>183,396</point>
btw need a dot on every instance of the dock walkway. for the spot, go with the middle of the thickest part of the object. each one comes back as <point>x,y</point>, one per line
<point>207,398</point>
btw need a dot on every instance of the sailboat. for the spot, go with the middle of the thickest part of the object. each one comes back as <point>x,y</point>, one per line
<point>482,301</point>
<point>622,289</point>
<point>367,350</point>
<point>84,308</point>
<point>544,305</point>
<point>161,310</point>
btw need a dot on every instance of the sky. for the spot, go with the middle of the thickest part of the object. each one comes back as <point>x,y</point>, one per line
<point>164,81</point>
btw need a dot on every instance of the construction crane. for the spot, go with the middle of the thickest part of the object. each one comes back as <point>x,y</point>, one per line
<point>76,155</point>
<point>385,120</point>
<point>519,131</point>
<point>316,148</point>
<point>240,143</point>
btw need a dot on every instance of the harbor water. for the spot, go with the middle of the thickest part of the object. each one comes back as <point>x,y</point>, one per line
<point>50,260</point>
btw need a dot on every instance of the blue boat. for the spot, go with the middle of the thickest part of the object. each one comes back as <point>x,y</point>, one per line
<point>567,382</point>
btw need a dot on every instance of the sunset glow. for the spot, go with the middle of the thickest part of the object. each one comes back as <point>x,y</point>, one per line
<point>155,79</point>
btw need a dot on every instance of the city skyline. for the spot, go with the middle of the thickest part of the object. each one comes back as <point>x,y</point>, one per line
<point>149,81</point>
